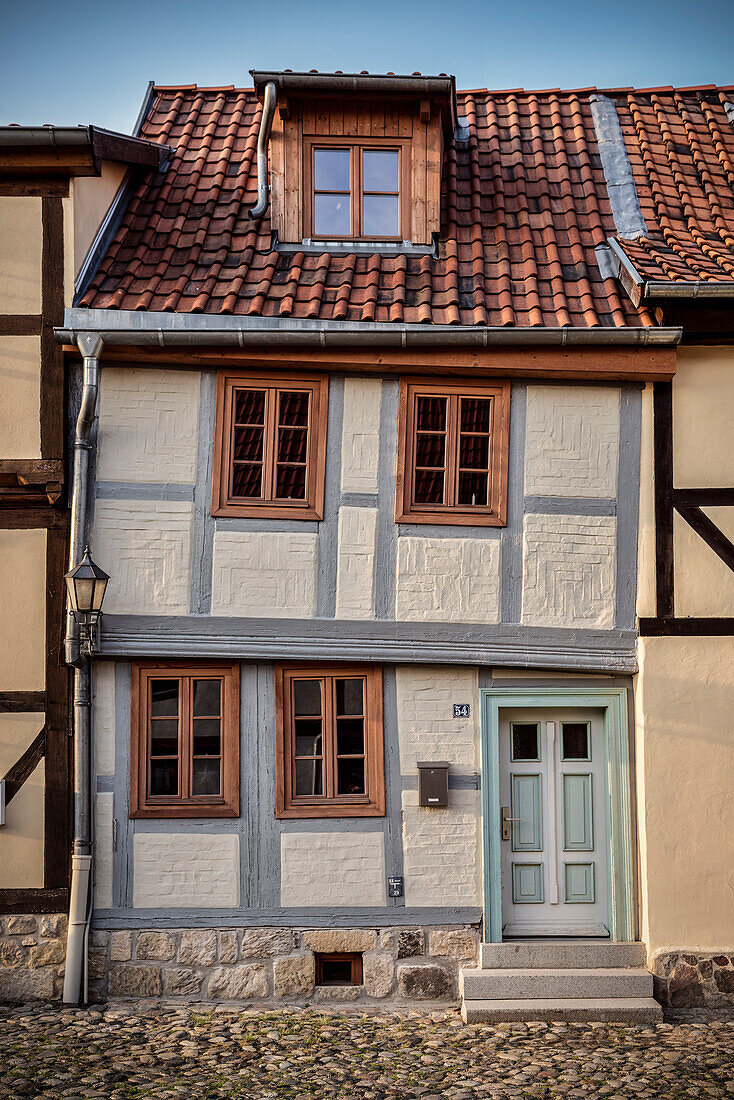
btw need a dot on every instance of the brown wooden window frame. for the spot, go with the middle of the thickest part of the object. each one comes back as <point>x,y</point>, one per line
<point>353,958</point>
<point>330,804</point>
<point>357,147</point>
<point>184,804</point>
<point>493,514</point>
<point>224,503</point>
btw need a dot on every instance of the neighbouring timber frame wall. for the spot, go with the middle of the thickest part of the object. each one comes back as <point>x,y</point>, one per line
<point>689,504</point>
<point>29,492</point>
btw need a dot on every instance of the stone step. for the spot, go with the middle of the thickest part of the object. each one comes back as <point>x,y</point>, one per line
<point>571,954</point>
<point>557,984</point>
<point>623,1010</point>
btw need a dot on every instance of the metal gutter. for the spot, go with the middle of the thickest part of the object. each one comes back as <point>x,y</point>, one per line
<point>356,82</point>
<point>638,288</point>
<point>263,137</point>
<point>132,327</point>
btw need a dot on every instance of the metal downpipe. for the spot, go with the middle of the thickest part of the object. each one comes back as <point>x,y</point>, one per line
<point>90,346</point>
<point>266,122</point>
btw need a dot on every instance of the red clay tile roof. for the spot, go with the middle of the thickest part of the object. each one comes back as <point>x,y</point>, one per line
<point>681,150</point>
<point>524,206</point>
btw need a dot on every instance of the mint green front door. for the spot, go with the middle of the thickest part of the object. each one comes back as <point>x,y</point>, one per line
<point>553,822</point>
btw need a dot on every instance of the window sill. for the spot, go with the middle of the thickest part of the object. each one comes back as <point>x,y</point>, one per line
<point>359,248</point>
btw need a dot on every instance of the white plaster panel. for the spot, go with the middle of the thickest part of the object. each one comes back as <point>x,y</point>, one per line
<point>103,717</point>
<point>332,869</point>
<point>179,870</point>
<point>448,579</point>
<point>361,435</point>
<point>572,441</point>
<point>427,729</point>
<point>442,851</point>
<point>268,575</point>
<point>145,546</point>
<point>704,585</point>
<point>21,233</point>
<point>148,423</point>
<point>103,849</point>
<point>20,385</point>
<point>355,579</point>
<point>569,571</point>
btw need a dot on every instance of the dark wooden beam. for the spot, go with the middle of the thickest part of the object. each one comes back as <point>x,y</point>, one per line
<point>663,473</point>
<point>52,312</point>
<point>703,498</point>
<point>671,627</point>
<point>57,791</point>
<point>20,702</point>
<point>24,766</point>
<point>20,324</point>
<point>583,363</point>
<point>710,533</point>
<point>17,518</point>
<point>34,901</point>
<point>38,186</point>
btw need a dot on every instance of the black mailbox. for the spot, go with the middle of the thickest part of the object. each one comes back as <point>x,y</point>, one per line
<point>433,783</point>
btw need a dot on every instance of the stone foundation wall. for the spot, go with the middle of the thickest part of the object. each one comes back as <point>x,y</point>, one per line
<point>32,951</point>
<point>686,980</point>
<point>278,964</point>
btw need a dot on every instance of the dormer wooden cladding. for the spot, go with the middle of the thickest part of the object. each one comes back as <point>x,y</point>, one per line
<point>415,127</point>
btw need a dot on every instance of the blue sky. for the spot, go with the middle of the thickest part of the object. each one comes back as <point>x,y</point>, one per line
<point>80,61</point>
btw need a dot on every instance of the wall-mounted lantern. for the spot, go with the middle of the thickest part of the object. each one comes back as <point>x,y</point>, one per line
<point>86,584</point>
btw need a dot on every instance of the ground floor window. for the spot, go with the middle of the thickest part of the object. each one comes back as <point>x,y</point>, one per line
<point>185,740</point>
<point>329,741</point>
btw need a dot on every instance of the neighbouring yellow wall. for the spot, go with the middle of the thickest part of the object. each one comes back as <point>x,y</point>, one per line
<point>20,387</point>
<point>703,417</point>
<point>21,837</point>
<point>21,237</point>
<point>685,761</point>
<point>685,687</point>
<point>92,197</point>
<point>23,603</point>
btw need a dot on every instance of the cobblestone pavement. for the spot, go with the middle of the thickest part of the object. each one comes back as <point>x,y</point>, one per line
<point>198,1054</point>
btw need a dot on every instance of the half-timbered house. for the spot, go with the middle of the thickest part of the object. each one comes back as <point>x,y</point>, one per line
<point>410,475</point>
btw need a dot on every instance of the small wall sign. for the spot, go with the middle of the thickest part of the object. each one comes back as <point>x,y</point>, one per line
<point>395,887</point>
<point>461,710</point>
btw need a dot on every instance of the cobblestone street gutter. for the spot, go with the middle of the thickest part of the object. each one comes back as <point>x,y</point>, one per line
<point>131,1053</point>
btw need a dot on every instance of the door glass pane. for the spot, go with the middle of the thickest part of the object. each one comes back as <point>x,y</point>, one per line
<point>380,217</point>
<point>164,777</point>
<point>207,698</point>
<point>380,170</point>
<point>575,741</point>
<point>331,215</point>
<point>350,696</point>
<point>308,777</point>
<point>525,741</point>
<point>331,169</point>
<point>206,777</point>
<point>350,776</point>
<point>163,698</point>
<point>307,697</point>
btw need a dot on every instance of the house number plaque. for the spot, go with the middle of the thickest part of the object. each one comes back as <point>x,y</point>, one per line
<point>395,887</point>
<point>461,710</point>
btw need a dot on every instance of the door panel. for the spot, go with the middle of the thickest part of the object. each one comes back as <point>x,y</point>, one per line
<point>553,788</point>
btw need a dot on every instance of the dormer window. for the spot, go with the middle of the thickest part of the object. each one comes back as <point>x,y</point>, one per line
<point>358,158</point>
<point>355,191</point>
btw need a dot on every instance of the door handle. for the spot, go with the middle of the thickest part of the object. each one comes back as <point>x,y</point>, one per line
<point>506,820</point>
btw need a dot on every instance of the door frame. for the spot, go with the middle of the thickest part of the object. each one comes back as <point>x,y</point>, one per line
<point>620,866</point>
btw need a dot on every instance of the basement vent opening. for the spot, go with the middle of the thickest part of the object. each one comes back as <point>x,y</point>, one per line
<point>340,968</point>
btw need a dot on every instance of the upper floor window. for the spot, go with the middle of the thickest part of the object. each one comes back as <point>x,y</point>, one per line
<point>270,446</point>
<point>185,741</point>
<point>452,453</point>
<point>357,191</point>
